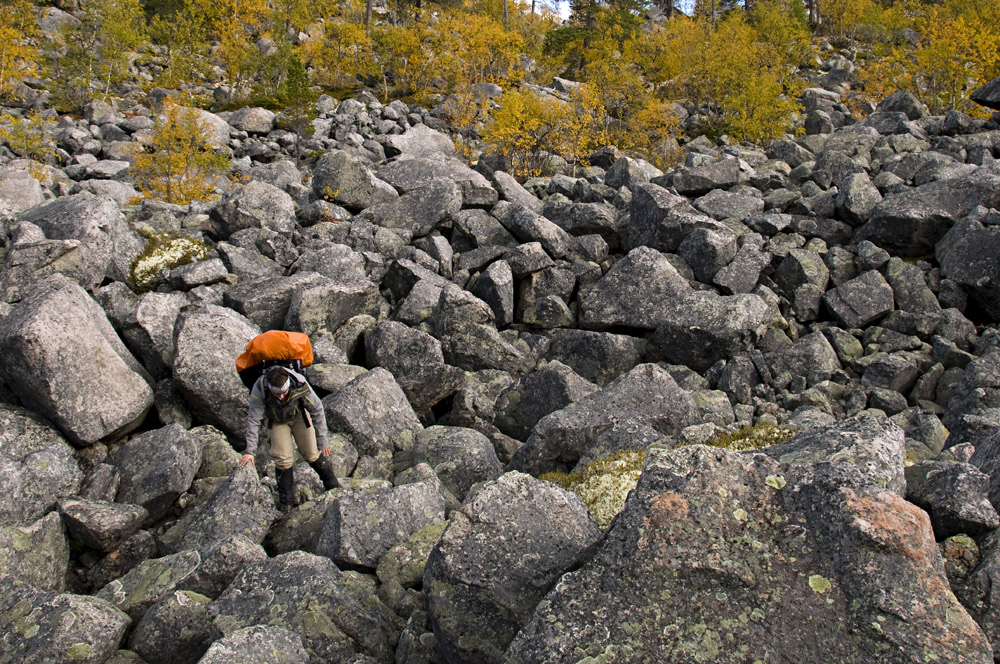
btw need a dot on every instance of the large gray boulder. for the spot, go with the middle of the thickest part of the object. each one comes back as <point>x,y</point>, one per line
<point>101,525</point>
<point>969,254</point>
<point>374,412</point>
<point>912,222</point>
<point>156,467</point>
<point>528,226</point>
<point>260,644</point>
<point>347,181</point>
<point>541,392</point>
<point>410,174</point>
<point>43,626</point>
<point>988,95</point>
<point>149,582</point>
<point>415,360</point>
<point>469,337</point>
<point>37,554</point>
<point>208,339</point>
<point>220,565</point>
<point>267,301</point>
<point>704,328</point>
<point>973,411</point>
<point>175,630</point>
<point>240,507</point>
<point>954,494</point>
<point>361,526</point>
<point>812,357</point>
<point>149,330</point>
<point>600,357</point>
<point>335,615</point>
<point>657,218</point>
<point>653,592</point>
<point>874,445</point>
<point>860,301</point>
<point>639,291</point>
<point>460,457</point>
<point>36,465</point>
<point>19,190</point>
<point>498,557</point>
<point>336,261</point>
<point>420,142</point>
<point>419,211</point>
<point>646,395</point>
<point>322,304</point>
<point>97,224</point>
<point>256,204</point>
<point>65,361</point>
<point>253,120</point>
<point>698,180</point>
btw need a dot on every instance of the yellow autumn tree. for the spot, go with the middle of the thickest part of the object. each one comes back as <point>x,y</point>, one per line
<point>178,165</point>
<point>18,56</point>
<point>476,49</point>
<point>344,50</point>
<point>525,129</point>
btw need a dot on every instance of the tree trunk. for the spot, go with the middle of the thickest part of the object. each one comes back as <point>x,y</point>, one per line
<point>368,12</point>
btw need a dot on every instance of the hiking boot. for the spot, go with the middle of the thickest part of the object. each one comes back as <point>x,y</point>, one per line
<point>325,471</point>
<point>286,488</point>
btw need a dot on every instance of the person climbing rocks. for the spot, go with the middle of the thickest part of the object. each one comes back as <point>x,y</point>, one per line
<point>293,411</point>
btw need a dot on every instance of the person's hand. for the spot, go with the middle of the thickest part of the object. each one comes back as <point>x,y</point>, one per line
<point>325,452</point>
<point>247,458</point>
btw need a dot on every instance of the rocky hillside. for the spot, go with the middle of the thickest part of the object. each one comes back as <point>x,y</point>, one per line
<point>473,333</point>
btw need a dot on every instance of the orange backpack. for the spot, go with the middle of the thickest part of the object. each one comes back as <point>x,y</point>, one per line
<point>292,350</point>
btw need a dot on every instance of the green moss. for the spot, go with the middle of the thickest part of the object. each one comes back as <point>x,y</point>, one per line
<point>165,251</point>
<point>750,438</point>
<point>604,483</point>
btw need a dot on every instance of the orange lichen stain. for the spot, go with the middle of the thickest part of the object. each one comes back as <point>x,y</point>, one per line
<point>893,523</point>
<point>665,510</point>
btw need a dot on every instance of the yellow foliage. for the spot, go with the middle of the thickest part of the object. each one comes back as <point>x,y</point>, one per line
<point>345,50</point>
<point>476,49</point>
<point>466,111</point>
<point>178,166</point>
<point>404,58</point>
<point>18,56</point>
<point>955,55</point>
<point>584,128</point>
<point>524,128</point>
<point>28,137</point>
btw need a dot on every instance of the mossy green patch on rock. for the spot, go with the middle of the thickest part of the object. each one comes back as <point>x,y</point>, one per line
<point>750,438</point>
<point>604,483</point>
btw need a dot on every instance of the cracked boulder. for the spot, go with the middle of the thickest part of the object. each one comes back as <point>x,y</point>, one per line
<point>724,557</point>
<point>498,557</point>
<point>65,362</point>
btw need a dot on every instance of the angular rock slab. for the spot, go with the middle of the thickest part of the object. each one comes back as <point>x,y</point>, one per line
<point>36,466</point>
<point>640,291</point>
<point>65,361</point>
<point>42,626</point>
<point>409,174</point>
<point>101,525</point>
<point>876,446</point>
<point>460,457</point>
<point>647,394</point>
<point>499,555</point>
<point>37,554</point>
<point>910,223</point>
<point>259,644</point>
<point>361,526</point>
<point>725,557</point>
<point>240,507</point>
<point>861,301</point>
<point>334,615</point>
<point>347,181</point>
<point>705,328</point>
<point>149,582</point>
<point>156,467</point>
<point>208,339</point>
<point>175,630</point>
<point>373,410</point>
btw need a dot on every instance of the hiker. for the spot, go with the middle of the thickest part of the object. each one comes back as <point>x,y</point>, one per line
<point>292,410</point>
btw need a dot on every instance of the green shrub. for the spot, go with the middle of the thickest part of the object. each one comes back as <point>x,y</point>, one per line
<point>165,251</point>
<point>604,483</point>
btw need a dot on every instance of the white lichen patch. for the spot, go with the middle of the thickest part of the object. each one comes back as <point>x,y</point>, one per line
<point>163,252</point>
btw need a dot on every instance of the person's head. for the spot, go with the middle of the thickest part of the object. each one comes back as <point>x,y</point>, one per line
<point>278,381</point>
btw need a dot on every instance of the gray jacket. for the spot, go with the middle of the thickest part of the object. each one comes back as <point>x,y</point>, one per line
<point>263,405</point>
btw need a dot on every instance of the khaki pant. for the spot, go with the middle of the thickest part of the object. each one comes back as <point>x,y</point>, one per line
<point>282,447</point>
